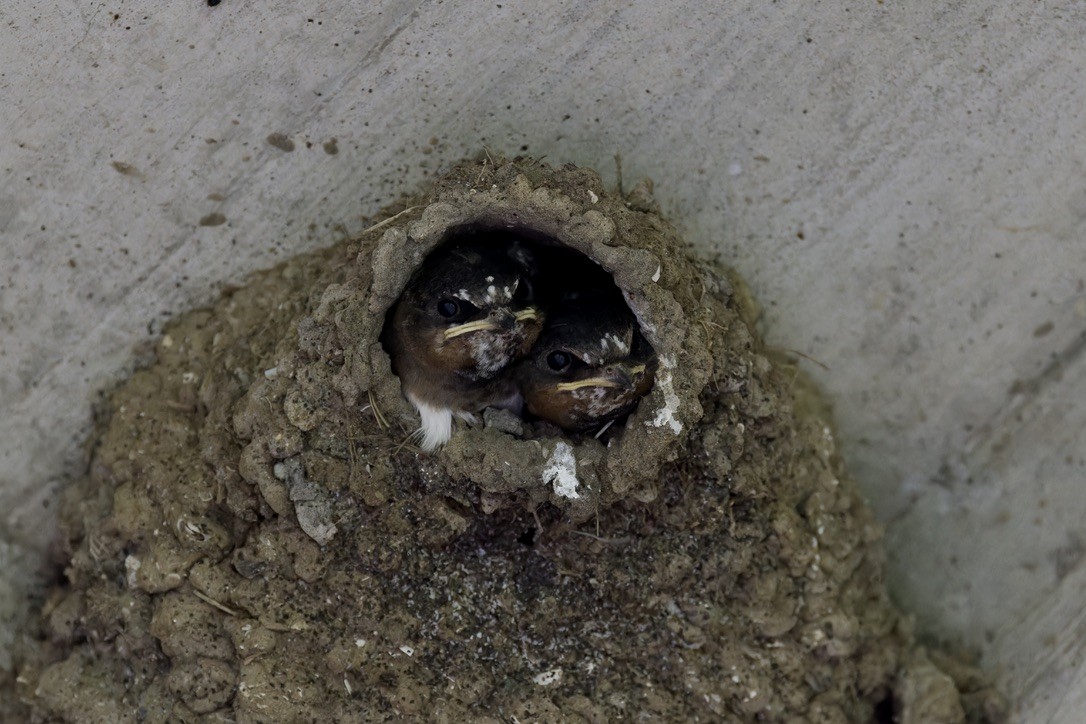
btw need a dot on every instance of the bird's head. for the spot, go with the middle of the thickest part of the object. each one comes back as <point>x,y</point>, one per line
<point>470,310</point>
<point>590,365</point>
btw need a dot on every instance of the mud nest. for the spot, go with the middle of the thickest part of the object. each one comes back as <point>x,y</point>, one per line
<point>257,539</point>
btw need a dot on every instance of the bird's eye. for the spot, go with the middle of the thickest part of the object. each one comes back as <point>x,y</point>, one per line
<point>559,360</point>
<point>448,308</point>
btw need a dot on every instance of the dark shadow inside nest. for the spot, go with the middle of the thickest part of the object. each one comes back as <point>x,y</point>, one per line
<point>513,326</point>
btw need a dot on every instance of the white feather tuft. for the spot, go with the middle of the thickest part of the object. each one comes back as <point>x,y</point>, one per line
<point>436,428</point>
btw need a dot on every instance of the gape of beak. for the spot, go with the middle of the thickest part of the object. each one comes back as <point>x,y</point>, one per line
<point>501,319</point>
<point>616,376</point>
<point>479,325</point>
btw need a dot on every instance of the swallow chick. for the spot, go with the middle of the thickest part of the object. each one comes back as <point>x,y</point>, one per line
<point>465,316</point>
<point>590,366</point>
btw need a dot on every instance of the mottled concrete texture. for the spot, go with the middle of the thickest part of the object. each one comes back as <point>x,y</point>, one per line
<point>904,185</point>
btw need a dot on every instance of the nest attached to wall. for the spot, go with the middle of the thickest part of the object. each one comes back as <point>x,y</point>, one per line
<point>257,539</point>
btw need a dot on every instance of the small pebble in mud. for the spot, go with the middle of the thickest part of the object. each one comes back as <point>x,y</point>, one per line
<point>331,147</point>
<point>280,141</point>
<point>125,169</point>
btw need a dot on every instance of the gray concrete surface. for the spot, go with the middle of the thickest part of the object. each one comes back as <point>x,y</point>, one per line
<point>904,185</point>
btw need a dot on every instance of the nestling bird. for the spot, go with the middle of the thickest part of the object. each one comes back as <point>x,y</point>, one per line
<point>464,317</point>
<point>590,365</point>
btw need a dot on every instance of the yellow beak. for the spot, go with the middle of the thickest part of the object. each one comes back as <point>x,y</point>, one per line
<point>481,325</point>
<point>599,381</point>
<point>590,382</point>
<point>467,327</point>
<point>526,314</point>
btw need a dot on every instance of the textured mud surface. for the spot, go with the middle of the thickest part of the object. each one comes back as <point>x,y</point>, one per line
<point>257,539</point>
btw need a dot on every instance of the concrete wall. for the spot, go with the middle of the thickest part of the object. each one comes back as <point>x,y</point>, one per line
<point>904,185</point>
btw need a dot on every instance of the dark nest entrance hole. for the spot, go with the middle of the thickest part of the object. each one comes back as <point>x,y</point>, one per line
<point>512,319</point>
